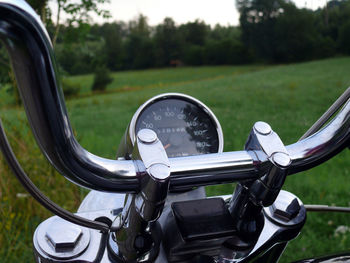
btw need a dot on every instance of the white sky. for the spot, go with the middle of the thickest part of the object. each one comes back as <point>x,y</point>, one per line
<point>212,12</point>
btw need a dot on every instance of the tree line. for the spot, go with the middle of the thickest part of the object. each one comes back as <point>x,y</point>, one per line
<point>136,45</point>
<point>270,31</point>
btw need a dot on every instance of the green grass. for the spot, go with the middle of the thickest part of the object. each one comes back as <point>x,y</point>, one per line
<point>131,80</point>
<point>289,97</point>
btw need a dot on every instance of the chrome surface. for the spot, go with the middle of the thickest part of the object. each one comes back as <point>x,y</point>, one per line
<point>93,252</point>
<point>63,240</point>
<point>147,136</point>
<point>322,145</point>
<point>133,225</point>
<point>262,127</point>
<point>328,114</point>
<point>263,138</point>
<point>281,159</point>
<point>33,61</point>
<point>99,204</point>
<point>278,210</point>
<point>211,169</point>
<point>96,200</point>
<point>270,235</point>
<point>132,126</point>
<point>23,5</point>
<point>150,152</point>
<point>264,190</point>
<point>336,258</point>
<point>60,239</point>
<point>36,193</point>
<point>274,229</point>
<point>31,55</point>
<point>150,201</point>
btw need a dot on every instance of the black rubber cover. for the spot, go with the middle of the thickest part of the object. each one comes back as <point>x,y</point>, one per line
<point>203,219</point>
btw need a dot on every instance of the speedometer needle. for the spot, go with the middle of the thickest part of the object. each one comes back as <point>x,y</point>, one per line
<point>167,146</point>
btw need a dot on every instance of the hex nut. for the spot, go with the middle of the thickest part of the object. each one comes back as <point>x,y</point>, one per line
<point>63,235</point>
<point>286,211</point>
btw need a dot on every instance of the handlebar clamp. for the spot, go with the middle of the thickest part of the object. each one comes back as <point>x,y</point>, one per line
<point>135,232</point>
<point>265,145</point>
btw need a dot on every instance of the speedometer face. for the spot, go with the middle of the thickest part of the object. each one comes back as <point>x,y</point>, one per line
<point>182,126</point>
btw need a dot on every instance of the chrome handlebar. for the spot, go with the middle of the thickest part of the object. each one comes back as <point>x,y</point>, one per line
<point>33,61</point>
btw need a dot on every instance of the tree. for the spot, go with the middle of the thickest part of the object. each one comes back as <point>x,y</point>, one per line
<point>295,35</point>
<point>139,47</point>
<point>167,43</point>
<point>257,20</point>
<point>113,34</point>
<point>194,33</point>
<point>78,13</point>
<point>41,7</point>
<point>344,38</point>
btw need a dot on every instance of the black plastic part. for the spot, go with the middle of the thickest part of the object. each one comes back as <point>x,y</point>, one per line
<point>196,230</point>
<point>203,219</point>
<point>202,227</point>
<point>149,246</point>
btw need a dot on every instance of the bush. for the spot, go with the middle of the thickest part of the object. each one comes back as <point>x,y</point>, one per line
<point>70,88</point>
<point>102,78</point>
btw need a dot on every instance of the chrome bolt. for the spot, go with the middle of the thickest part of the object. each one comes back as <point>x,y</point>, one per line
<point>147,136</point>
<point>262,128</point>
<point>159,171</point>
<point>286,207</point>
<point>281,159</point>
<point>63,235</point>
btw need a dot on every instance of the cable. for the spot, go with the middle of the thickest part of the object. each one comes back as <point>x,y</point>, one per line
<point>326,208</point>
<point>37,194</point>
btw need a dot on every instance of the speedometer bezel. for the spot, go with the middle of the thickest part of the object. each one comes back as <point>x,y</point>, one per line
<point>181,96</point>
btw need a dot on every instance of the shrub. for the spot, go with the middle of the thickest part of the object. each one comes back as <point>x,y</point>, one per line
<point>102,78</point>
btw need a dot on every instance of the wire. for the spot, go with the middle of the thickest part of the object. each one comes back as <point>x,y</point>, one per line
<point>37,194</point>
<point>326,208</point>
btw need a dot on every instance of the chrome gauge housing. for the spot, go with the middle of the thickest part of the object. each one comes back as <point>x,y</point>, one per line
<point>183,124</point>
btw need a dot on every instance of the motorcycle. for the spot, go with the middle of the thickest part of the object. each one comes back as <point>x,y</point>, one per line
<point>149,205</point>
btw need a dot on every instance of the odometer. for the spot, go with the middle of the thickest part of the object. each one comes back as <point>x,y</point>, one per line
<point>184,125</point>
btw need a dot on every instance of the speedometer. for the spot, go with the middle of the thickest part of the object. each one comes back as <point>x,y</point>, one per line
<point>183,124</point>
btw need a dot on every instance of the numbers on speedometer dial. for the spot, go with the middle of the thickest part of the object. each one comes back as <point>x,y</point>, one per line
<point>183,127</point>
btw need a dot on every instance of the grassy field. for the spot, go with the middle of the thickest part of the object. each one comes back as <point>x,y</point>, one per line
<point>289,97</point>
